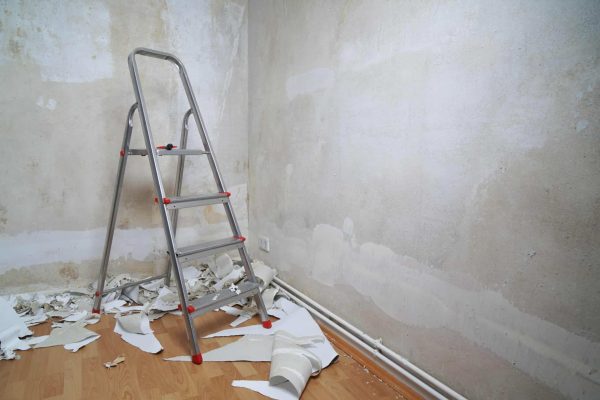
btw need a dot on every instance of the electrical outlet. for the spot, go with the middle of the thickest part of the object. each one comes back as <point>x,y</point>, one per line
<point>263,243</point>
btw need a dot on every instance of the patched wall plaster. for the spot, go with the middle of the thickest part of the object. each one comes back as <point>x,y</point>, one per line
<point>431,172</point>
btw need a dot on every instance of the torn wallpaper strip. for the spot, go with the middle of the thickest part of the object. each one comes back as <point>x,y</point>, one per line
<point>135,323</point>
<point>35,319</point>
<point>264,273</point>
<point>146,342</point>
<point>284,391</point>
<point>248,348</point>
<point>293,363</point>
<point>233,277</point>
<point>77,345</point>
<point>300,323</point>
<point>67,334</point>
<point>190,273</point>
<point>166,300</point>
<point>223,266</point>
<point>10,320</point>
<point>291,367</point>
<point>248,312</point>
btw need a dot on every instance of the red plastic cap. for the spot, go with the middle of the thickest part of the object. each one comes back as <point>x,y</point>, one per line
<point>267,324</point>
<point>95,311</point>
<point>166,200</point>
<point>228,194</point>
<point>240,238</point>
<point>197,359</point>
<point>190,309</point>
<point>122,153</point>
<point>97,293</point>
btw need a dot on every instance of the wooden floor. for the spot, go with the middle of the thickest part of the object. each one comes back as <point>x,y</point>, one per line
<point>55,373</point>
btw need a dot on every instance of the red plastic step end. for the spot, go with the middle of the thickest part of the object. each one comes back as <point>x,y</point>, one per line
<point>95,311</point>
<point>267,324</point>
<point>228,194</point>
<point>97,293</point>
<point>190,308</point>
<point>240,238</point>
<point>197,359</point>
<point>122,153</point>
<point>166,200</point>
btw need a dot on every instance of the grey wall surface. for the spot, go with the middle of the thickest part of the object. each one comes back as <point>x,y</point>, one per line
<point>430,171</point>
<point>65,93</point>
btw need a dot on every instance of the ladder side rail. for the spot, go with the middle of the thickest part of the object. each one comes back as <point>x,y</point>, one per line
<point>114,209</point>
<point>208,147</point>
<point>179,181</point>
<point>160,192</point>
<point>198,119</point>
<point>220,184</point>
<point>180,163</point>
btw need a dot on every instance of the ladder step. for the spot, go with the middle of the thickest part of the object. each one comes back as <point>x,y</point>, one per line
<point>165,152</point>
<point>209,248</point>
<point>223,297</point>
<point>196,200</point>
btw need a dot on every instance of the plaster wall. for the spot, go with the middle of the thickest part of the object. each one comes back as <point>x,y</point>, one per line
<point>430,171</point>
<point>65,93</point>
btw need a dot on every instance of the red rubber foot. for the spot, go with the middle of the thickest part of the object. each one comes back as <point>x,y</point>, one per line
<point>266,324</point>
<point>197,359</point>
<point>95,311</point>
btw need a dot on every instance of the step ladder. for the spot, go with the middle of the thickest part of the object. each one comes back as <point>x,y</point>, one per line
<point>169,206</point>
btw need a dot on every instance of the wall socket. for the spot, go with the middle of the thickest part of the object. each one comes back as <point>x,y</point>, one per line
<point>263,243</point>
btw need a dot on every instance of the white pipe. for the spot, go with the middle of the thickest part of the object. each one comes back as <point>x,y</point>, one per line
<point>414,374</point>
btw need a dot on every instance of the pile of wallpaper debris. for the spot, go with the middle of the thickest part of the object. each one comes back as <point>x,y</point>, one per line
<point>295,346</point>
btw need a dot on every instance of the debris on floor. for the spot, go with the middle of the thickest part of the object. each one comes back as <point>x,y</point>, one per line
<point>299,324</point>
<point>135,330</point>
<point>295,346</point>
<point>72,335</point>
<point>115,362</point>
<point>12,329</point>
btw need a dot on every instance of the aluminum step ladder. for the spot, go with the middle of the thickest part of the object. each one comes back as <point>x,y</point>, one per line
<point>169,206</point>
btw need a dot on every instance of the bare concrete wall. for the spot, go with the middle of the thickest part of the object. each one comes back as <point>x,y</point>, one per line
<point>431,172</point>
<point>65,93</point>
